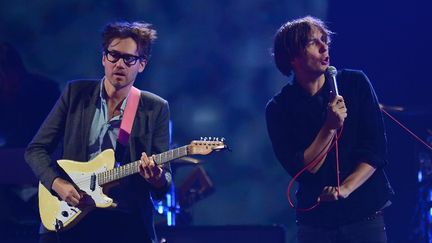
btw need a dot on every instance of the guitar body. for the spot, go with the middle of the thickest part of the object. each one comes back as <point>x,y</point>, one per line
<point>55,213</point>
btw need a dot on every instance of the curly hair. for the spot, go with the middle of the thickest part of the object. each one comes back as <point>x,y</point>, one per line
<point>140,32</point>
<point>291,39</point>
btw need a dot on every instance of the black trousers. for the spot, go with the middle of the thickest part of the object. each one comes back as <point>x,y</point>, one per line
<point>102,225</point>
<point>369,230</point>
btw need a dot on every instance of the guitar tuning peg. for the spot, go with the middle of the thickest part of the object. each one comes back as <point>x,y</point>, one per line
<point>201,138</point>
<point>222,139</point>
<point>217,139</point>
<point>214,139</point>
<point>205,139</point>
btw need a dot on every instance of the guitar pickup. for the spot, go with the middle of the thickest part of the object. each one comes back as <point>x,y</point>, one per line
<point>93,182</point>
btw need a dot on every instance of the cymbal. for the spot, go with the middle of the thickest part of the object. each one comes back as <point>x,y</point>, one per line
<point>187,160</point>
<point>391,107</point>
<point>408,110</point>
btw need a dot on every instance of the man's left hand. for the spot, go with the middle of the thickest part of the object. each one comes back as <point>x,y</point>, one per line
<point>151,172</point>
<point>331,193</point>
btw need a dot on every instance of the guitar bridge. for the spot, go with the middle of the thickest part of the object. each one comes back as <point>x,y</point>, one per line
<point>58,225</point>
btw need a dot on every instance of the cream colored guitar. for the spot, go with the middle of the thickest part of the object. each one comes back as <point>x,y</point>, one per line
<point>92,176</point>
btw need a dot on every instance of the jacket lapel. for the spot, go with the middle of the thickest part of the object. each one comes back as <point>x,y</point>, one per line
<point>89,110</point>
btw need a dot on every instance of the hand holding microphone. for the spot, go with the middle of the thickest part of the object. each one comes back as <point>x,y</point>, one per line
<point>331,77</point>
<point>336,110</point>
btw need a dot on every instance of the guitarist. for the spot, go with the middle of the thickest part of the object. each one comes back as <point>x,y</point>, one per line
<point>86,119</point>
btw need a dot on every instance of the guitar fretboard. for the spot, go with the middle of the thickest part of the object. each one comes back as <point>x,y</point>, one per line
<point>133,167</point>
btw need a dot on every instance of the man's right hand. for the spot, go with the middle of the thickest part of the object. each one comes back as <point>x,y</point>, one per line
<point>336,113</point>
<point>66,191</point>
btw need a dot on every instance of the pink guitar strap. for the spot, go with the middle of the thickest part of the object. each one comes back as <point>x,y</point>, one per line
<point>129,115</point>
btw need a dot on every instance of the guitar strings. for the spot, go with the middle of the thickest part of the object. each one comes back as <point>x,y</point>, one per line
<point>159,161</point>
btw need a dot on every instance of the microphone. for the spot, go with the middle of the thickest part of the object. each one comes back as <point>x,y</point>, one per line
<point>331,76</point>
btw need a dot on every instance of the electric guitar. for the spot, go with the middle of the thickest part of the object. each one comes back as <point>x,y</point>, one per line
<point>91,177</point>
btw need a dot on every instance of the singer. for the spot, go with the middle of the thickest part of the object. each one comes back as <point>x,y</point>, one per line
<point>303,122</point>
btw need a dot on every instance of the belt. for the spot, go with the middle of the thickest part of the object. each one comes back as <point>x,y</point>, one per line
<point>371,217</point>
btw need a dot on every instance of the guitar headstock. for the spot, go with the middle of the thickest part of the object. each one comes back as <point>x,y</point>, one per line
<point>206,145</point>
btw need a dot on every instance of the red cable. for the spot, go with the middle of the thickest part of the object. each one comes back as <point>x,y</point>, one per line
<point>406,129</point>
<point>337,163</point>
<point>335,144</point>
<point>311,164</point>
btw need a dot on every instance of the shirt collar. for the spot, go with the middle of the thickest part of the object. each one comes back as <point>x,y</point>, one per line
<point>324,92</point>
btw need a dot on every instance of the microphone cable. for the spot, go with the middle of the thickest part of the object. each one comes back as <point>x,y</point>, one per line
<point>407,129</point>
<point>315,161</point>
<point>334,143</point>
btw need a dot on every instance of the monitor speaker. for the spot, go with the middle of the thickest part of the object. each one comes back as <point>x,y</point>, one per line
<point>217,234</point>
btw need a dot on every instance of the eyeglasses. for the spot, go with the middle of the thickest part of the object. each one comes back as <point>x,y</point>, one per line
<point>129,60</point>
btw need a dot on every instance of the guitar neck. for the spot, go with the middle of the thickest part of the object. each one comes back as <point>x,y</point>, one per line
<point>133,167</point>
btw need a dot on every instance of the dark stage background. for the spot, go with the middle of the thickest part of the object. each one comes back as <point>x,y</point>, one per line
<point>212,63</point>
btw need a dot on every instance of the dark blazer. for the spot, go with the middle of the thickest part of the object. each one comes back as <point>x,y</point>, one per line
<point>70,122</point>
